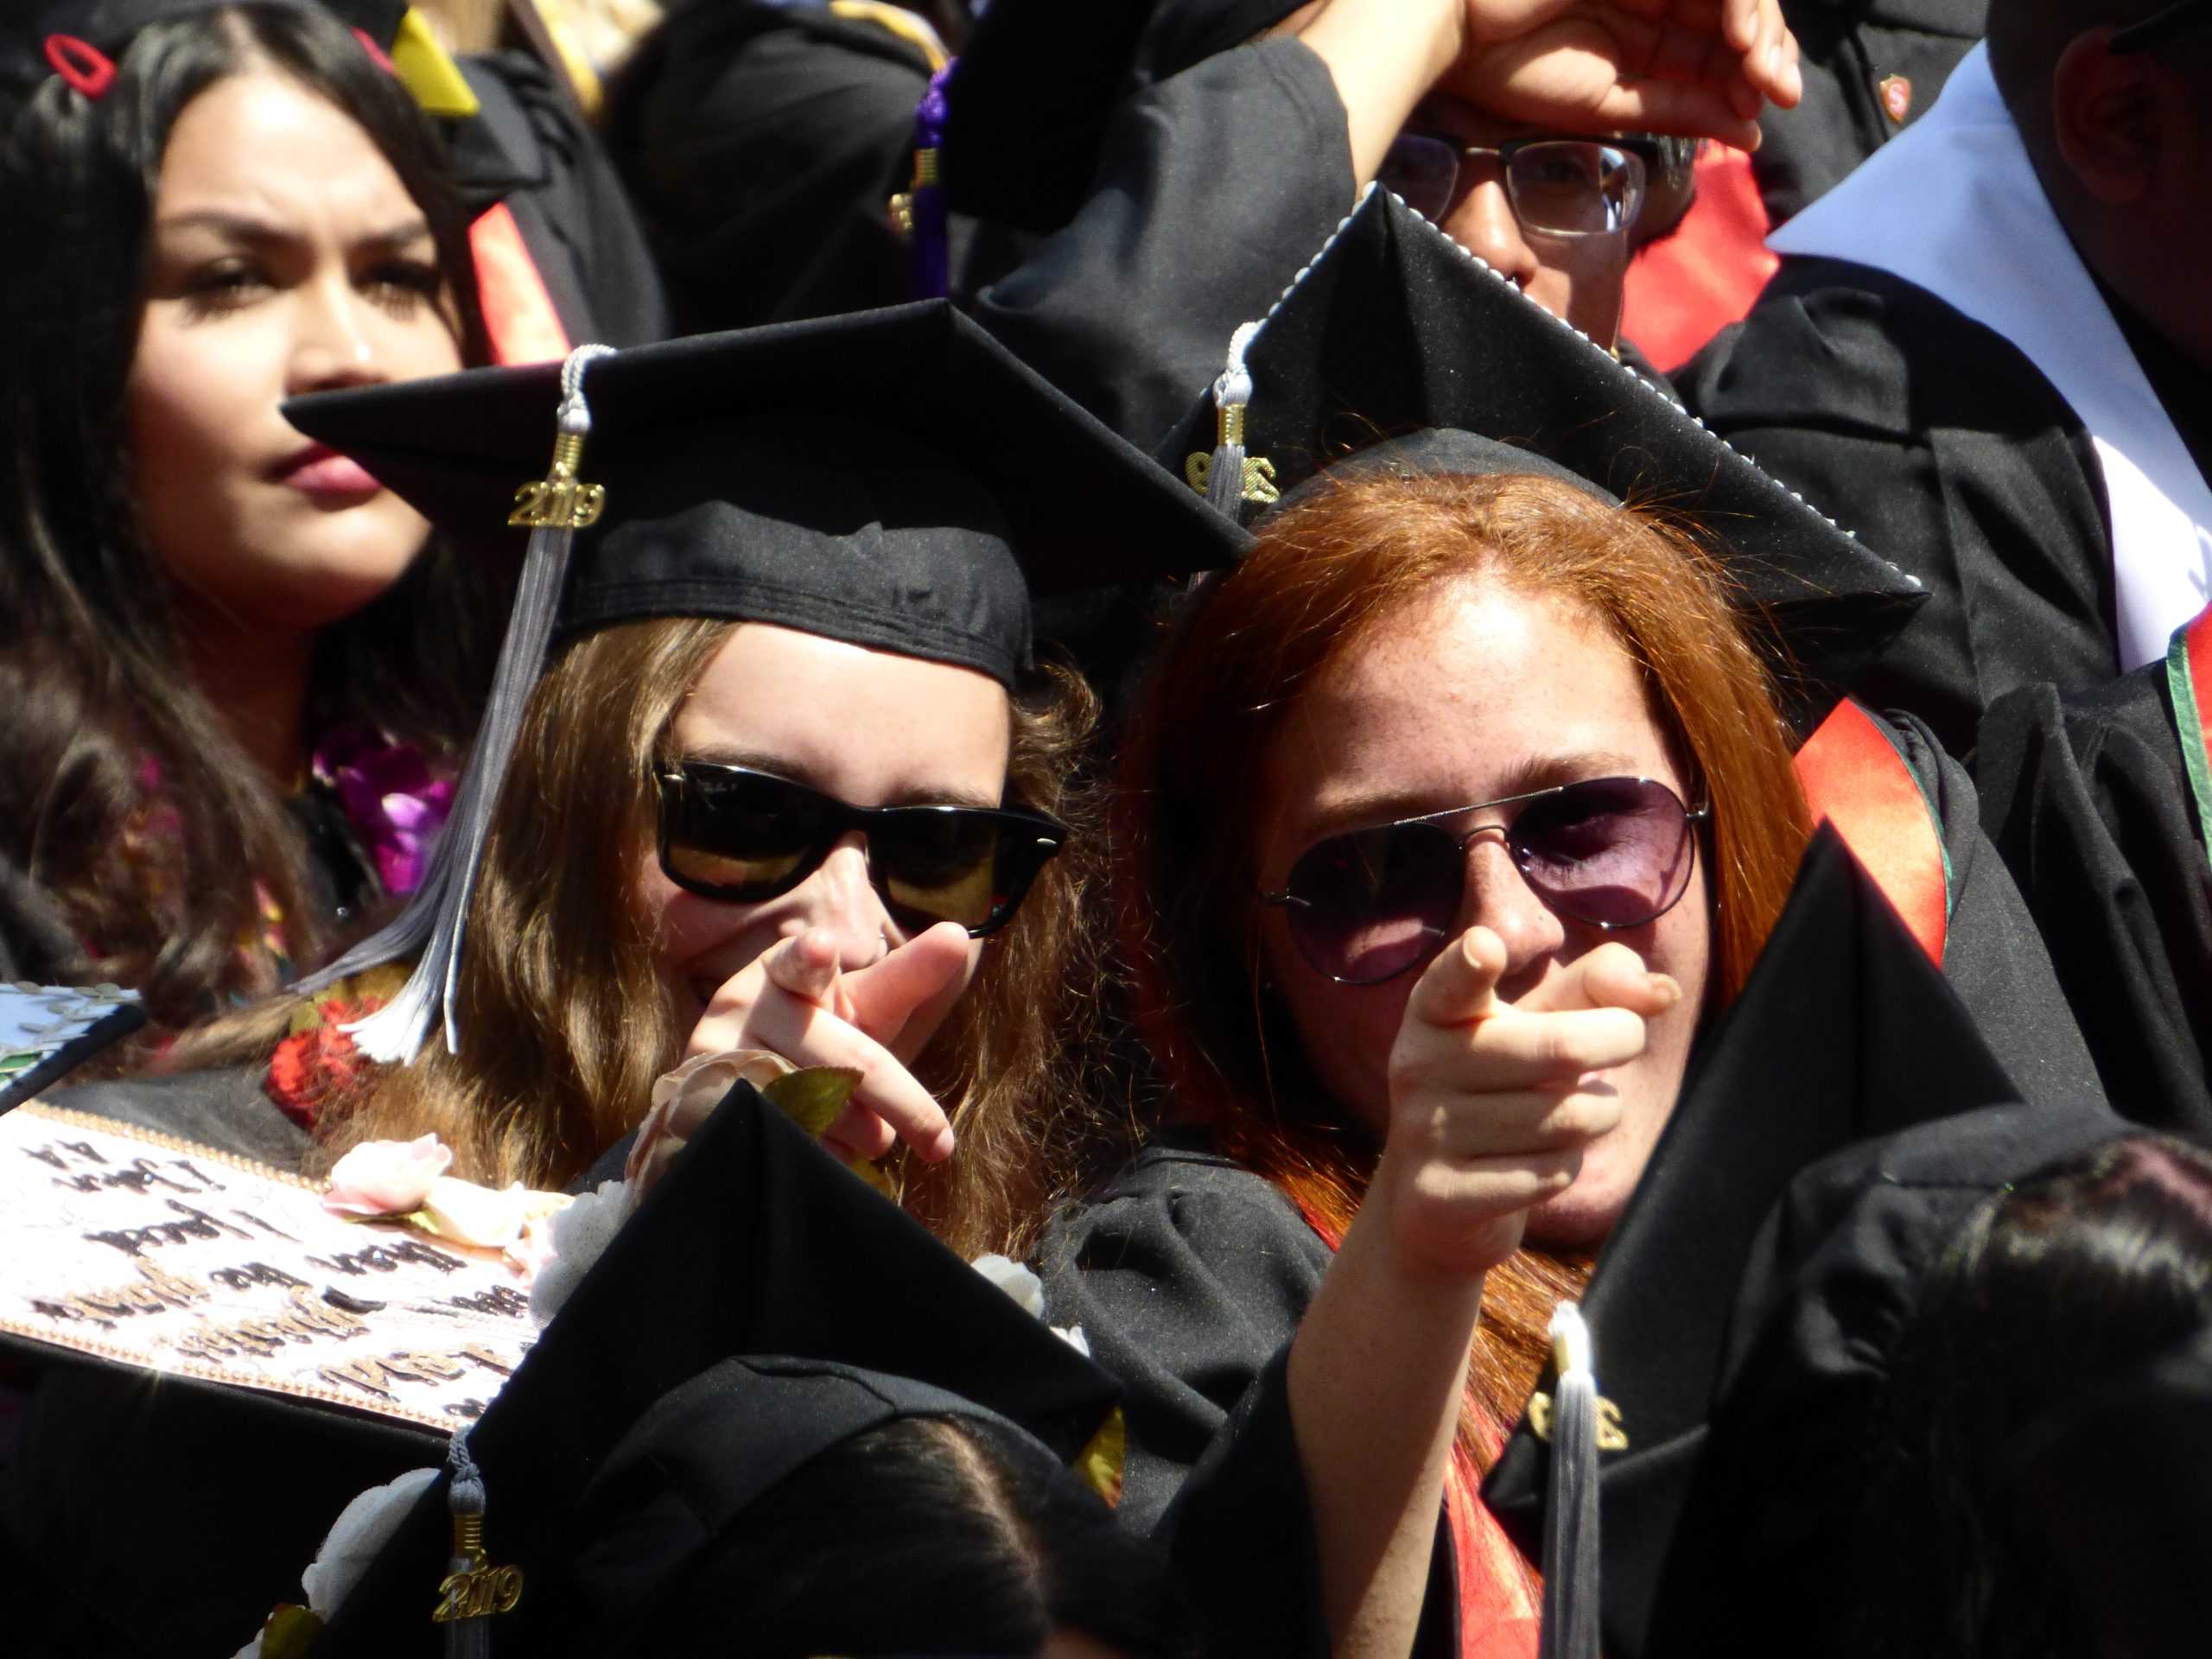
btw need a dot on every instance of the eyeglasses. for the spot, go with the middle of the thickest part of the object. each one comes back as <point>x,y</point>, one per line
<point>744,836</point>
<point>1560,187</point>
<point>1610,852</point>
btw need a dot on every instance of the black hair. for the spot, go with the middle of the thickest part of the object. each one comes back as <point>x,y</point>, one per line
<point>2074,1277</point>
<point>924,1535</point>
<point>91,674</point>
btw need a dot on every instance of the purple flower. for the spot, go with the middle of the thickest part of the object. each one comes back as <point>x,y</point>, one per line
<point>396,804</point>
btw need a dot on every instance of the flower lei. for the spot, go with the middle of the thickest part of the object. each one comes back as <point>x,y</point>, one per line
<point>395,803</point>
<point>316,1061</point>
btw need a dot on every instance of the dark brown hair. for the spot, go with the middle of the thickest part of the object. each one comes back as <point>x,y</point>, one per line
<point>105,723</point>
<point>1325,573</point>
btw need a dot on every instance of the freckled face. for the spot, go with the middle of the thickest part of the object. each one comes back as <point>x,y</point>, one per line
<point>285,256</point>
<point>1474,693</point>
<point>872,728</point>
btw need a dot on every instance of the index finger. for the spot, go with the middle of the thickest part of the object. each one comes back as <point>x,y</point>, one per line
<point>1461,985</point>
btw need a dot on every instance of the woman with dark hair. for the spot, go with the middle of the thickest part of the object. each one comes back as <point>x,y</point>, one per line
<point>231,711</point>
<point>2058,1293</point>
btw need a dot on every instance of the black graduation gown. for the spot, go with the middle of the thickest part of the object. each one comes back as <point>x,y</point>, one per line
<point>1213,188</point>
<point>1946,451</point>
<point>1740,1309</point>
<point>1849,51</point>
<point>528,146</point>
<point>2088,797</point>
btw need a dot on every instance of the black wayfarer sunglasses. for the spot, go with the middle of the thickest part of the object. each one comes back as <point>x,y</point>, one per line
<point>1611,852</point>
<point>745,836</point>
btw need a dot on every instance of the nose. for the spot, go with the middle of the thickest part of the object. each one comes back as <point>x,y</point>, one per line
<point>840,898</point>
<point>334,337</point>
<point>1482,222</point>
<point>1498,898</point>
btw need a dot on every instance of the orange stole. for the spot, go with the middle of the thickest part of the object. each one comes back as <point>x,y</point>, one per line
<point>518,312</point>
<point>1854,777</point>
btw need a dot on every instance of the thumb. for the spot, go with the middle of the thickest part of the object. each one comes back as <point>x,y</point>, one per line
<point>806,965</point>
<point>1614,976</point>
<point>1460,986</point>
<point>885,995</point>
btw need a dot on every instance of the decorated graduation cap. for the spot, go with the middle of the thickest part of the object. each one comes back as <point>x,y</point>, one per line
<point>1395,333</point>
<point>756,1244</point>
<point>76,38</point>
<point>1743,1399</point>
<point>894,479</point>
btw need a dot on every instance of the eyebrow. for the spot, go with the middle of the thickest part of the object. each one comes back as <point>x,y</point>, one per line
<point>717,754</point>
<point>1526,777</point>
<point>244,228</point>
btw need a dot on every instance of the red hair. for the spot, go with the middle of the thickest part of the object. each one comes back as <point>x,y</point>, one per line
<point>1325,573</point>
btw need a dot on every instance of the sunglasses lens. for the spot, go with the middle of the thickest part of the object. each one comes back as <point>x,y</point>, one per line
<point>1364,907</point>
<point>1615,851</point>
<point>740,834</point>
<point>939,864</point>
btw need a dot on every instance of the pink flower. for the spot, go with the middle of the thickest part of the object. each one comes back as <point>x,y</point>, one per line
<point>386,1178</point>
<point>397,804</point>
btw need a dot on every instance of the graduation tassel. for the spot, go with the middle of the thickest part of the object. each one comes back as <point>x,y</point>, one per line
<point>432,926</point>
<point>1571,1537</point>
<point>472,1590</point>
<point>1227,477</point>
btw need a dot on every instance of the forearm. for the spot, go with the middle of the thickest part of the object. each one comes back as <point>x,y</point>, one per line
<point>1376,1374</point>
<point>1383,56</point>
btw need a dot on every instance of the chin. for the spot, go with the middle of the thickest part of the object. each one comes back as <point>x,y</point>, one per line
<point>1582,1217</point>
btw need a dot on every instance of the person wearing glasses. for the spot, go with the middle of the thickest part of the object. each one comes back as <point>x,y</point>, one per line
<point>1178,160</point>
<point>1987,352</point>
<point>1455,816</point>
<point>793,782</point>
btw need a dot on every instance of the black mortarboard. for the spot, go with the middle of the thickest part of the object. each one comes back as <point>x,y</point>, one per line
<point>895,479</point>
<point>1846,1045</point>
<point>757,1243</point>
<point>1394,329</point>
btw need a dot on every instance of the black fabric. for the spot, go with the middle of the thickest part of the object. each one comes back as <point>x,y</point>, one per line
<point>1940,444</point>
<point>1211,189</point>
<point>528,146</point>
<point>1188,1274</point>
<point>2088,799</point>
<point>755,1242</point>
<point>226,1108</point>
<point>1845,1034</point>
<point>1394,328</point>
<point>109,24</point>
<point>1847,49</point>
<point>763,144</point>
<point>691,1468</point>
<point>873,478</point>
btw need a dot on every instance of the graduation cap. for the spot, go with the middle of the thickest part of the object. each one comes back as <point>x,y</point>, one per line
<point>894,478</point>
<point>756,1243</point>
<point>1742,1395</point>
<point>1394,329</point>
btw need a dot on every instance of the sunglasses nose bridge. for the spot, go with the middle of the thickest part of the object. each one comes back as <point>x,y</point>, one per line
<point>843,894</point>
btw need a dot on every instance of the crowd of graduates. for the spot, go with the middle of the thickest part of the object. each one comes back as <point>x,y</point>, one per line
<point>1474,730</point>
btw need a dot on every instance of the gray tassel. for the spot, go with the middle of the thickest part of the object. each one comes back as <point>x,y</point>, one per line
<point>469,1631</point>
<point>1232,391</point>
<point>1571,1513</point>
<point>432,926</point>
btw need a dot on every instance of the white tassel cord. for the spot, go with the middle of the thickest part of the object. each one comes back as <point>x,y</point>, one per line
<point>1232,391</point>
<point>435,920</point>
<point>1571,1536</point>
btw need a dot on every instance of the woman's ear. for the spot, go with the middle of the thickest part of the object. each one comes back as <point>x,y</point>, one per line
<point>2105,110</point>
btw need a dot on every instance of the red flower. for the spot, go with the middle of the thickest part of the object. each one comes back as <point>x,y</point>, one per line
<point>311,1067</point>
